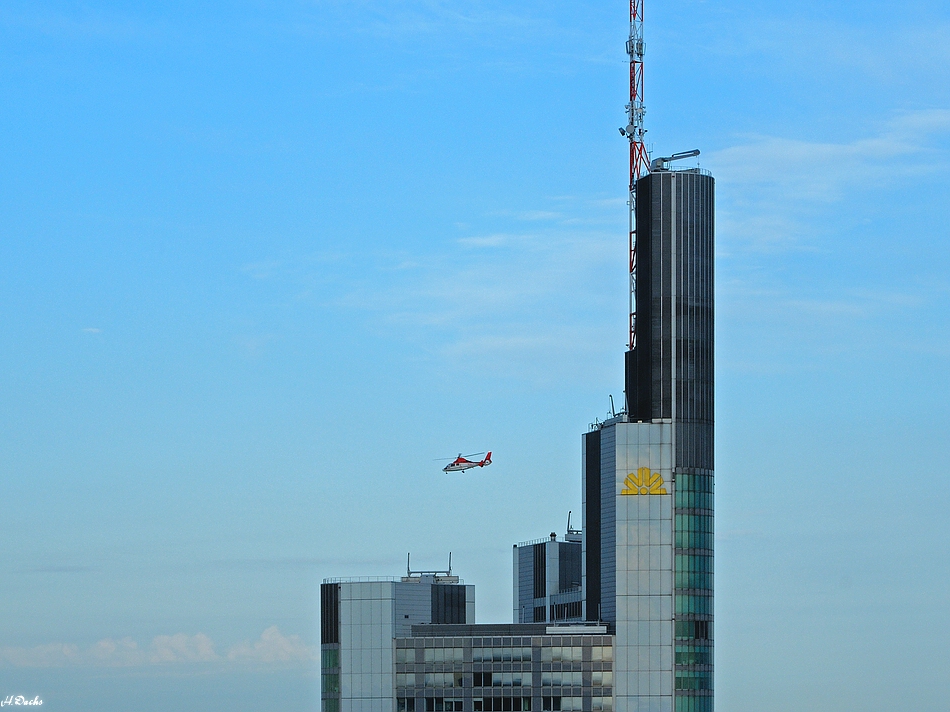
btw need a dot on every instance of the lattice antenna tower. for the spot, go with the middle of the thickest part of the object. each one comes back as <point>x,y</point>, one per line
<point>639,158</point>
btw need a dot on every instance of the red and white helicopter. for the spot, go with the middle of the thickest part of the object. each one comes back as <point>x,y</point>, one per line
<point>461,463</point>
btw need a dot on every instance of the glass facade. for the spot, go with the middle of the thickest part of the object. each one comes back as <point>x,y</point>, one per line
<point>693,592</point>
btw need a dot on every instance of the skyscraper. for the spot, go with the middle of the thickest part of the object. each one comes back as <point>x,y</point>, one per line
<point>648,473</point>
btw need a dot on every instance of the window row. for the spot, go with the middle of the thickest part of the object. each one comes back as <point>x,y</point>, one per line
<point>559,677</point>
<point>330,658</point>
<point>599,678</point>
<point>699,630</point>
<point>330,682</point>
<point>699,605</point>
<point>331,705</point>
<point>694,483</point>
<point>501,679</point>
<point>488,655</point>
<point>693,562</point>
<point>432,704</point>
<point>443,655</point>
<point>693,540</point>
<point>701,500</point>
<point>431,655</point>
<point>693,704</point>
<point>598,653</point>
<point>443,679</point>
<point>486,704</point>
<point>564,704</point>
<point>693,655</point>
<point>693,523</point>
<point>694,680</point>
<point>437,704</point>
<point>562,654</point>
<point>692,579</point>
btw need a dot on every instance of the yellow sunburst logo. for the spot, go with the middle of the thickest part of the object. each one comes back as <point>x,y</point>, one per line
<point>643,483</point>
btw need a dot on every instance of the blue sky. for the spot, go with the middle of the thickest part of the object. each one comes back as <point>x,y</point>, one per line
<point>262,262</point>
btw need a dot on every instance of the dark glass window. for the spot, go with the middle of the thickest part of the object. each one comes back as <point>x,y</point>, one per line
<point>330,613</point>
<point>330,658</point>
<point>490,704</point>
<point>448,603</point>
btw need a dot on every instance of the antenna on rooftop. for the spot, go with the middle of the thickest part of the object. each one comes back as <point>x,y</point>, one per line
<point>639,157</point>
<point>572,534</point>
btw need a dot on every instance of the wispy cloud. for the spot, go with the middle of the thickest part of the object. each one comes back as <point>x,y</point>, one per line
<point>485,241</point>
<point>539,215</point>
<point>84,24</point>
<point>770,183</point>
<point>273,647</point>
<point>816,170</point>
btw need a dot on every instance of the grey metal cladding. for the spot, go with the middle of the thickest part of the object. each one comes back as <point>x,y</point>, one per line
<point>413,605</point>
<point>675,272</point>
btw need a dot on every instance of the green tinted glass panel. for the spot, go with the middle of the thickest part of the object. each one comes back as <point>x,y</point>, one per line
<point>693,655</point>
<point>699,630</point>
<point>330,658</point>
<point>693,704</point>
<point>701,605</point>
<point>694,680</point>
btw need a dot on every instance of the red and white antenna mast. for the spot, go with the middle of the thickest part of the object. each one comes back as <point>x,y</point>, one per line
<point>639,159</point>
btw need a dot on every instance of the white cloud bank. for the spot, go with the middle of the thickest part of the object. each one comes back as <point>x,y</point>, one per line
<point>273,647</point>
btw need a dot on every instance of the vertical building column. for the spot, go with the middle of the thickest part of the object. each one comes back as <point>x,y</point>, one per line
<point>642,479</point>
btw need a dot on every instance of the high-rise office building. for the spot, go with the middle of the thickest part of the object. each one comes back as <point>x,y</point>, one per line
<point>410,645</point>
<point>361,618</point>
<point>546,577</point>
<point>638,634</point>
<point>648,473</point>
